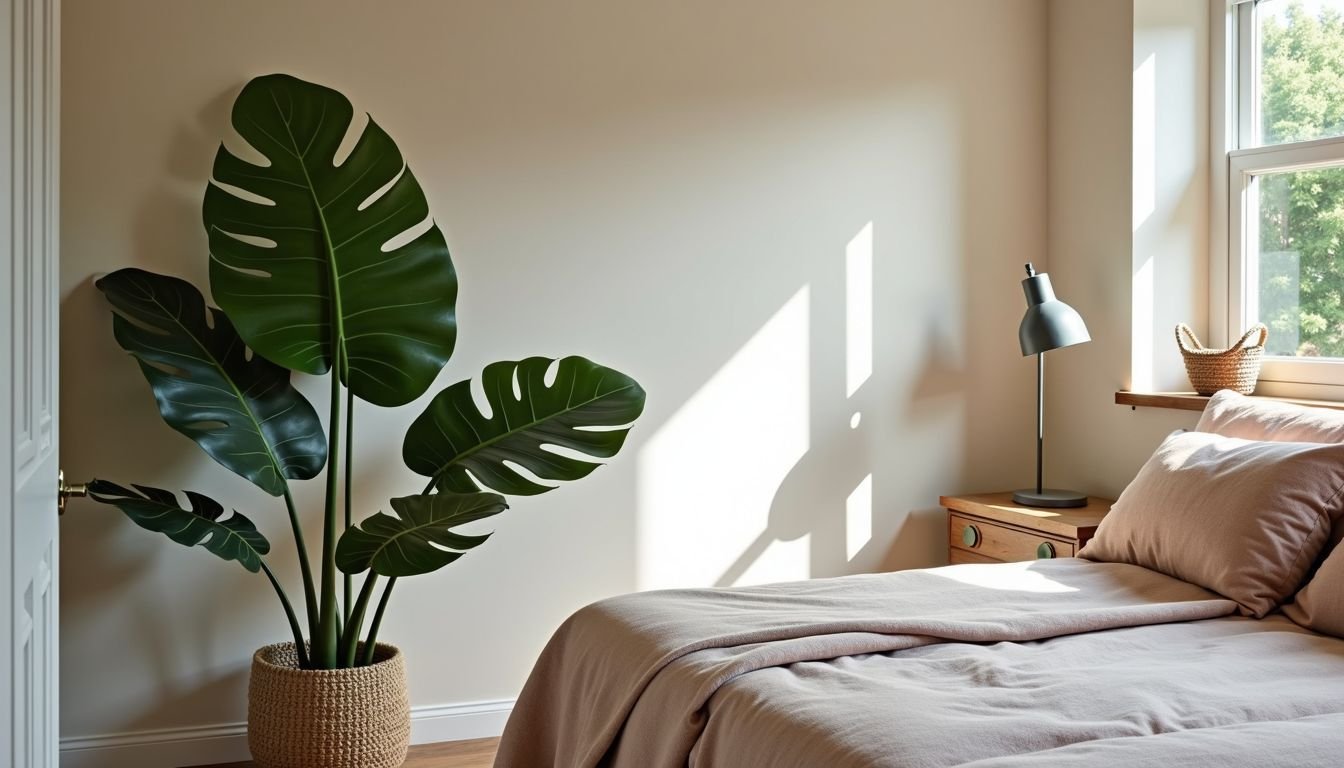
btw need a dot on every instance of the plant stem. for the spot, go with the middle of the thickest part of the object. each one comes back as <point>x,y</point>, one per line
<point>349,466</point>
<point>350,640</point>
<point>299,647</point>
<point>429,487</point>
<point>326,645</point>
<point>305,568</point>
<point>371,641</point>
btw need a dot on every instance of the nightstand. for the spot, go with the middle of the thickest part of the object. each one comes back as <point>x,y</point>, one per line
<point>990,528</point>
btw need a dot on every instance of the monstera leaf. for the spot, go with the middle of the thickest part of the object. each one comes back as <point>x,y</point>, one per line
<point>299,246</point>
<point>587,409</point>
<point>414,541</point>
<point>241,409</point>
<point>154,509</point>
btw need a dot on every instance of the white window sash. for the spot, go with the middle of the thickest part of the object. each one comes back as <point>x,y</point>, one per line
<point>1243,231</point>
<point>1235,163</point>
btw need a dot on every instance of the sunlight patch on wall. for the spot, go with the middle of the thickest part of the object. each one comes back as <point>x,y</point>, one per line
<point>708,476</point>
<point>1145,141</point>
<point>859,517</point>
<point>1143,204</point>
<point>859,310</point>
<point>1170,174</point>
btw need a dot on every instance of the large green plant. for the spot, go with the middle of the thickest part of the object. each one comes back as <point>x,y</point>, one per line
<point>332,266</point>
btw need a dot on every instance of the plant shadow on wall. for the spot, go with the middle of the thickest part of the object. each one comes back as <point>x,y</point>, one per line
<point>819,443</point>
<point>766,473</point>
<point>325,261</point>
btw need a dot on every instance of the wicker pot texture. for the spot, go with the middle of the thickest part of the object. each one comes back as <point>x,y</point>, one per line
<point>320,718</point>
<point>1236,368</point>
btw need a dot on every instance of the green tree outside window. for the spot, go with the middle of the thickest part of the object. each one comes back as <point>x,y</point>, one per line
<point>1301,265</point>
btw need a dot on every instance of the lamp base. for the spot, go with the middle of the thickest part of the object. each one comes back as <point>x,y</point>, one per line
<point>1049,497</point>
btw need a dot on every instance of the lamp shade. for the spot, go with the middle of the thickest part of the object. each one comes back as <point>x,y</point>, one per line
<point>1049,323</point>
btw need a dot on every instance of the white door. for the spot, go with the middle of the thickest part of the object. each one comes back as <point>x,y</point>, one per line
<point>29,140</point>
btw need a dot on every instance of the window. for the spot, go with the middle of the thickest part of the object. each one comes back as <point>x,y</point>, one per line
<point>1285,174</point>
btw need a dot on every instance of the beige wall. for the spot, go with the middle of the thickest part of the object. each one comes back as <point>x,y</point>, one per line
<point>675,189</point>
<point>1170,193</point>
<point>1099,248</point>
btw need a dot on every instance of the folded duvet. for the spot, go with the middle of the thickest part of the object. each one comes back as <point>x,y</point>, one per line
<point>656,679</point>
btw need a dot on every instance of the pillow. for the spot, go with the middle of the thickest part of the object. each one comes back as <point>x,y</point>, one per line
<point>1235,415</point>
<point>1320,604</point>
<point>1232,414</point>
<point>1243,518</point>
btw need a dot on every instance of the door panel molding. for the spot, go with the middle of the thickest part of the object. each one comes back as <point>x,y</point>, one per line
<point>29,415</point>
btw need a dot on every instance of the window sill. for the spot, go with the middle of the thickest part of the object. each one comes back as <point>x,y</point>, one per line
<point>1189,401</point>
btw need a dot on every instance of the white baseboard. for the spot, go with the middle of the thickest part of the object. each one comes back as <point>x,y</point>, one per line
<point>174,747</point>
<point>455,722</point>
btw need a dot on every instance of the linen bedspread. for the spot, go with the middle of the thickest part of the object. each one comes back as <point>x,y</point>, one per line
<point>1222,692</point>
<point>711,677</point>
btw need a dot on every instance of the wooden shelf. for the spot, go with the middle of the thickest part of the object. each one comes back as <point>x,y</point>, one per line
<point>1184,401</point>
<point>1189,401</point>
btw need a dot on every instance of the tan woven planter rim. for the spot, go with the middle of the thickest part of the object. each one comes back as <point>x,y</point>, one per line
<point>382,653</point>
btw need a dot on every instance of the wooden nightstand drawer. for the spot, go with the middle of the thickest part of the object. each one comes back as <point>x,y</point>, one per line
<point>999,542</point>
<point>990,528</point>
<point>961,557</point>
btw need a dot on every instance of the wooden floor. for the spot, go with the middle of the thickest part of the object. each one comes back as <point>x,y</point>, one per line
<point>477,753</point>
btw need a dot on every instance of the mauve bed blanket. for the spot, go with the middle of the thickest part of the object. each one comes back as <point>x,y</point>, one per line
<point>938,667</point>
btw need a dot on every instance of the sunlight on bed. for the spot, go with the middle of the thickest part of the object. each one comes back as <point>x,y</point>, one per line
<point>709,475</point>
<point>1009,577</point>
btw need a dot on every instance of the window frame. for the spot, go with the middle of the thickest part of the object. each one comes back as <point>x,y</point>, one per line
<point>1234,227</point>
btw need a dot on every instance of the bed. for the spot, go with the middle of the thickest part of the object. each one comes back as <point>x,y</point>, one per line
<point>1176,644</point>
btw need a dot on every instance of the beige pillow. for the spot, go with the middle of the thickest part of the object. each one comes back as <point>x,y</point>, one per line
<point>1245,519</point>
<point>1320,604</point>
<point>1232,414</point>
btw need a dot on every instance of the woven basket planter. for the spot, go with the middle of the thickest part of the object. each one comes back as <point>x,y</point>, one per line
<point>319,718</point>
<point>1236,368</point>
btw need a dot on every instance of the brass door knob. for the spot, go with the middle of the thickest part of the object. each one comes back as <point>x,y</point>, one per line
<point>1045,550</point>
<point>65,492</point>
<point>970,536</point>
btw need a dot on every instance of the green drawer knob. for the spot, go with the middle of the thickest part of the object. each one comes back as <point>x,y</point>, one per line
<point>970,536</point>
<point>1045,550</point>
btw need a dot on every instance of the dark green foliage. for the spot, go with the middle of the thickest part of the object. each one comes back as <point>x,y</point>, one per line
<point>404,545</point>
<point>304,276</point>
<point>154,509</point>
<point>588,409</point>
<point>241,411</point>
<point>303,271</point>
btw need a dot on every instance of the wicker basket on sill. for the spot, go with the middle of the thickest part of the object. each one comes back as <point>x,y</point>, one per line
<point>1235,368</point>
